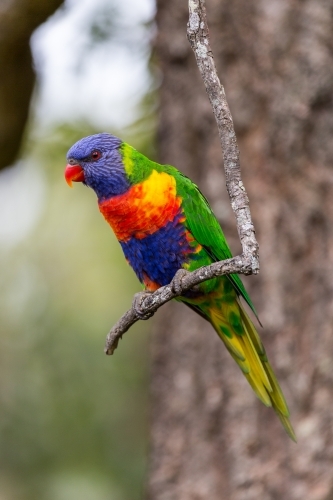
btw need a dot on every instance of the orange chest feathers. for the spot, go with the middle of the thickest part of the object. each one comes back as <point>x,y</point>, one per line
<point>144,208</point>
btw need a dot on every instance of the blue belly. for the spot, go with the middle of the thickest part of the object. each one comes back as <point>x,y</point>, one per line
<point>159,255</point>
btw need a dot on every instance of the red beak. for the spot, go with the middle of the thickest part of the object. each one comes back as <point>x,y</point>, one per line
<point>74,173</point>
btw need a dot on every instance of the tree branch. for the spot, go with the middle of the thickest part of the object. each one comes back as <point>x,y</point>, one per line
<point>248,262</point>
<point>197,33</point>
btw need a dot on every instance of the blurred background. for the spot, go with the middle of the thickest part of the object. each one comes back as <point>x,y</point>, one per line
<point>77,424</point>
<point>73,422</point>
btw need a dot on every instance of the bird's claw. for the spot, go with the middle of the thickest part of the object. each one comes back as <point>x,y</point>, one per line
<point>137,305</point>
<point>176,283</point>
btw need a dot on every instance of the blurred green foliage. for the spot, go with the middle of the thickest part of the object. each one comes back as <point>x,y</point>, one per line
<point>73,422</point>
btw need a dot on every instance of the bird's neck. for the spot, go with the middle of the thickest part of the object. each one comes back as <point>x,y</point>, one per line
<point>144,208</point>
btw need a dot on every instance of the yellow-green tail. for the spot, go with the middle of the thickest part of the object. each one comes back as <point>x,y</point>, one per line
<point>241,339</point>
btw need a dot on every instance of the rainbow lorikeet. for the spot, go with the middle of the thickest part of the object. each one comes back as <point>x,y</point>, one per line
<point>163,224</point>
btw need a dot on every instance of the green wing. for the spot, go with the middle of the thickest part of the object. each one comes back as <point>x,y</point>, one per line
<point>203,225</point>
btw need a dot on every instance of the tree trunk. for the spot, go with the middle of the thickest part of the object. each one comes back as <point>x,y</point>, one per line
<point>18,20</point>
<point>211,438</point>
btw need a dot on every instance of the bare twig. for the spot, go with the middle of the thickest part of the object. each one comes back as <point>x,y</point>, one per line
<point>248,262</point>
<point>197,33</point>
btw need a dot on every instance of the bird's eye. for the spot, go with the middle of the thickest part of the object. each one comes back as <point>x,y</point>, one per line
<point>95,155</point>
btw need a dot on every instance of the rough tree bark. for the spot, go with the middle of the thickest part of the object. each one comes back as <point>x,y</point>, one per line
<point>210,437</point>
<point>18,20</point>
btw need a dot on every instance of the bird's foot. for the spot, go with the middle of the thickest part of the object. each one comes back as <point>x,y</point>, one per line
<point>177,281</point>
<point>137,305</point>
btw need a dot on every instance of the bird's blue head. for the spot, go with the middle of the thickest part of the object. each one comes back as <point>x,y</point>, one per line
<point>96,161</point>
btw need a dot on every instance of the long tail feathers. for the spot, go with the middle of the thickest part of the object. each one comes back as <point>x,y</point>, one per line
<point>243,342</point>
